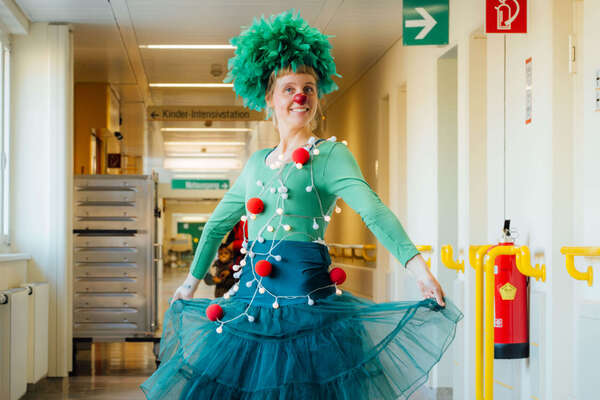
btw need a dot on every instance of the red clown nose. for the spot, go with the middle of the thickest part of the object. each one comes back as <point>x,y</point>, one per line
<point>300,98</point>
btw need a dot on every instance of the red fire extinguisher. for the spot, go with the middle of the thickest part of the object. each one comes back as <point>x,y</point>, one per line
<point>511,331</point>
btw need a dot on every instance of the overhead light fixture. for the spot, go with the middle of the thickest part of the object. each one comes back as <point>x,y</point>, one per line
<point>199,164</point>
<point>191,85</point>
<point>203,155</point>
<point>206,130</point>
<point>188,46</point>
<point>206,143</point>
<point>192,218</point>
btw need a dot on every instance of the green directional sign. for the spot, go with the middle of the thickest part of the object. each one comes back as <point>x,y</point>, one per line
<point>200,184</point>
<point>425,22</point>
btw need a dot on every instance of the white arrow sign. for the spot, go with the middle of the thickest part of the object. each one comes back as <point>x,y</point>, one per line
<point>427,23</point>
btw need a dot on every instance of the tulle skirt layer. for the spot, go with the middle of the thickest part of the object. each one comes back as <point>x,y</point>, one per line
<point>342,347</point>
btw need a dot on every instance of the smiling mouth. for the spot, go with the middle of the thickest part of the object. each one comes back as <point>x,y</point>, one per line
<point>300,109</point>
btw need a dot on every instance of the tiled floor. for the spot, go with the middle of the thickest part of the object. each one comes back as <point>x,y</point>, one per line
<point>112,370</point>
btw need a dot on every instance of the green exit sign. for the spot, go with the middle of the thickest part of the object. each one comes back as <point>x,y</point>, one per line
<point>200,184</point>
<point>425,22</point>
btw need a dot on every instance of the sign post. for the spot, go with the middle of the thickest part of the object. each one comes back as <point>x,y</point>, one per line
<point>425,22</point>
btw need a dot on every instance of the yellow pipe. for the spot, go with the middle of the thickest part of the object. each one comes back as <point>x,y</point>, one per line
<point>489,315</point>
<point>571,252</point>
<point>524,265</point>
<point>477,263</point>
<point>473,255</point>
<point>449,261</point>
<point>426,249</point>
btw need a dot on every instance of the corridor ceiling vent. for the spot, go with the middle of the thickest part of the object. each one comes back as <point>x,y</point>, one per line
<point>191,85</point>
<point>201,164</point>
<point>188,46</point>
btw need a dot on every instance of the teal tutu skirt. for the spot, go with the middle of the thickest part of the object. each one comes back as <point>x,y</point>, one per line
<point>341,347</point>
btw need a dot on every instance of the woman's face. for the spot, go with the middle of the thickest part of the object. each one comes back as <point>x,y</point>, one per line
<point>292,110</point>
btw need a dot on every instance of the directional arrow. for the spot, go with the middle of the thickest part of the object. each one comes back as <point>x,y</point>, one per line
<point>427,23</point>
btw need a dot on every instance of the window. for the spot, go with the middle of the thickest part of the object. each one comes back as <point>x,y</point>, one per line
<point>4,142</point>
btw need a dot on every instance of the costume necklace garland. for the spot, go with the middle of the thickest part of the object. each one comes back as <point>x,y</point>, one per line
<point>262,268</point>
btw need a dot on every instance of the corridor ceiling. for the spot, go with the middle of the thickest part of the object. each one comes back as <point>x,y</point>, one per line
<point>107,36</point>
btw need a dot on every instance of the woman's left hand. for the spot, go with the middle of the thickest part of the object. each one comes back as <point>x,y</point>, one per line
<point>429,286</point>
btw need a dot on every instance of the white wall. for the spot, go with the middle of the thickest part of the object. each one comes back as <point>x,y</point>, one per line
<point>41,198</point>
<point>551,168</point>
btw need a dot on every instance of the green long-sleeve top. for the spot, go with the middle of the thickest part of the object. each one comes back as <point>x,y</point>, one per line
<point>298,203</point>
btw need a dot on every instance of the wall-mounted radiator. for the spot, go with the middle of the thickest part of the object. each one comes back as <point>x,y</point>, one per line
<point>14,305</point>
<point>37,358</point>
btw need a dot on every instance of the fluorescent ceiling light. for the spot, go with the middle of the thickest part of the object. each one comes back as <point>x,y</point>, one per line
<point>206,175</point>
<point>198,164</point>
<point>206,130</point>
<point>191,85</point>
<point>206,143</point>
<point>188,46</point>
<point>202,155</point>
<point>192,219</point>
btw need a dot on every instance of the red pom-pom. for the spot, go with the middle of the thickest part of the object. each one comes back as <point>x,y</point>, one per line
<point>300,155</point>
<point>263,268</point>
<point>337,275</point>
<point>255,205</point>
<point>214,312</point>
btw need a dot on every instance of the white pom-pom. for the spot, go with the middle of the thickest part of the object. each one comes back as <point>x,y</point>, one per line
<point>251,254</point>
<point>243,263</point>
<point>253,216</point>
<point>236,275</point>
<point>250,318</point>
<point>332,139</point>
<point>276,305</point>
<point>270,228</point>
<point>236,267</point>
<point>244,218</point>
<point>309,188</point>
<point>261,290</point>
<point>338,291</point>
<point>226,296</point>
<point>315,225</point>
<point>287,227</point>
<point>273,190</point>
<point>311,140</point>
<point>338,209</point>
<point>298,165</point>
<point>277,257</point>
<point>220,329</point>
<point>249,283</point>
<point>311,302</point>
<point>279,211</point>
<point>345,142</point>
<point>236,288</point>
<point>243,250</point>
<point>261,239</point>
<point>284,196</point>
<point>327,218</point>
<point>259,183</point>
<point>316,152</point>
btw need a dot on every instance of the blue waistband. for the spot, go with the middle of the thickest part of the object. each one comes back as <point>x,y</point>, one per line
<point>299,269</point>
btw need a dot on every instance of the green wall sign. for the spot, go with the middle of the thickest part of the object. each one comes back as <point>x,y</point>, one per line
<point>193,228</point>
<point>200,184</point>
<point>425,22</point>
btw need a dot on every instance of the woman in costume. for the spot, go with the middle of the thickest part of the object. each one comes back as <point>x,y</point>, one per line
<point>285,331</point>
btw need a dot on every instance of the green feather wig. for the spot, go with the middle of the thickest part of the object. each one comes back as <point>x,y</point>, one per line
<point>283,40</point>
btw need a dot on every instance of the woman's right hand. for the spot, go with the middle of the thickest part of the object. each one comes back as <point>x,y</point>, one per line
<point>186,290</point>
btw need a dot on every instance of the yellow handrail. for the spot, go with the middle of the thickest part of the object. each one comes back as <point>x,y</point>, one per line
<point>524,265</point>
<point>355,251</point>
<point>449,261</point>
<point>426,249</point>
<point>364,254</point>
<point>477,263</point>
<point>571,252</point>
<point>473,255</point>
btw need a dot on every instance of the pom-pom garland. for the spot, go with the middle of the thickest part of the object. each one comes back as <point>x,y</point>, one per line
<point>263,268</point>
<point>337,275</point>
<point>214,312</point>
<point>255,205</point>
<point>283,40</point>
